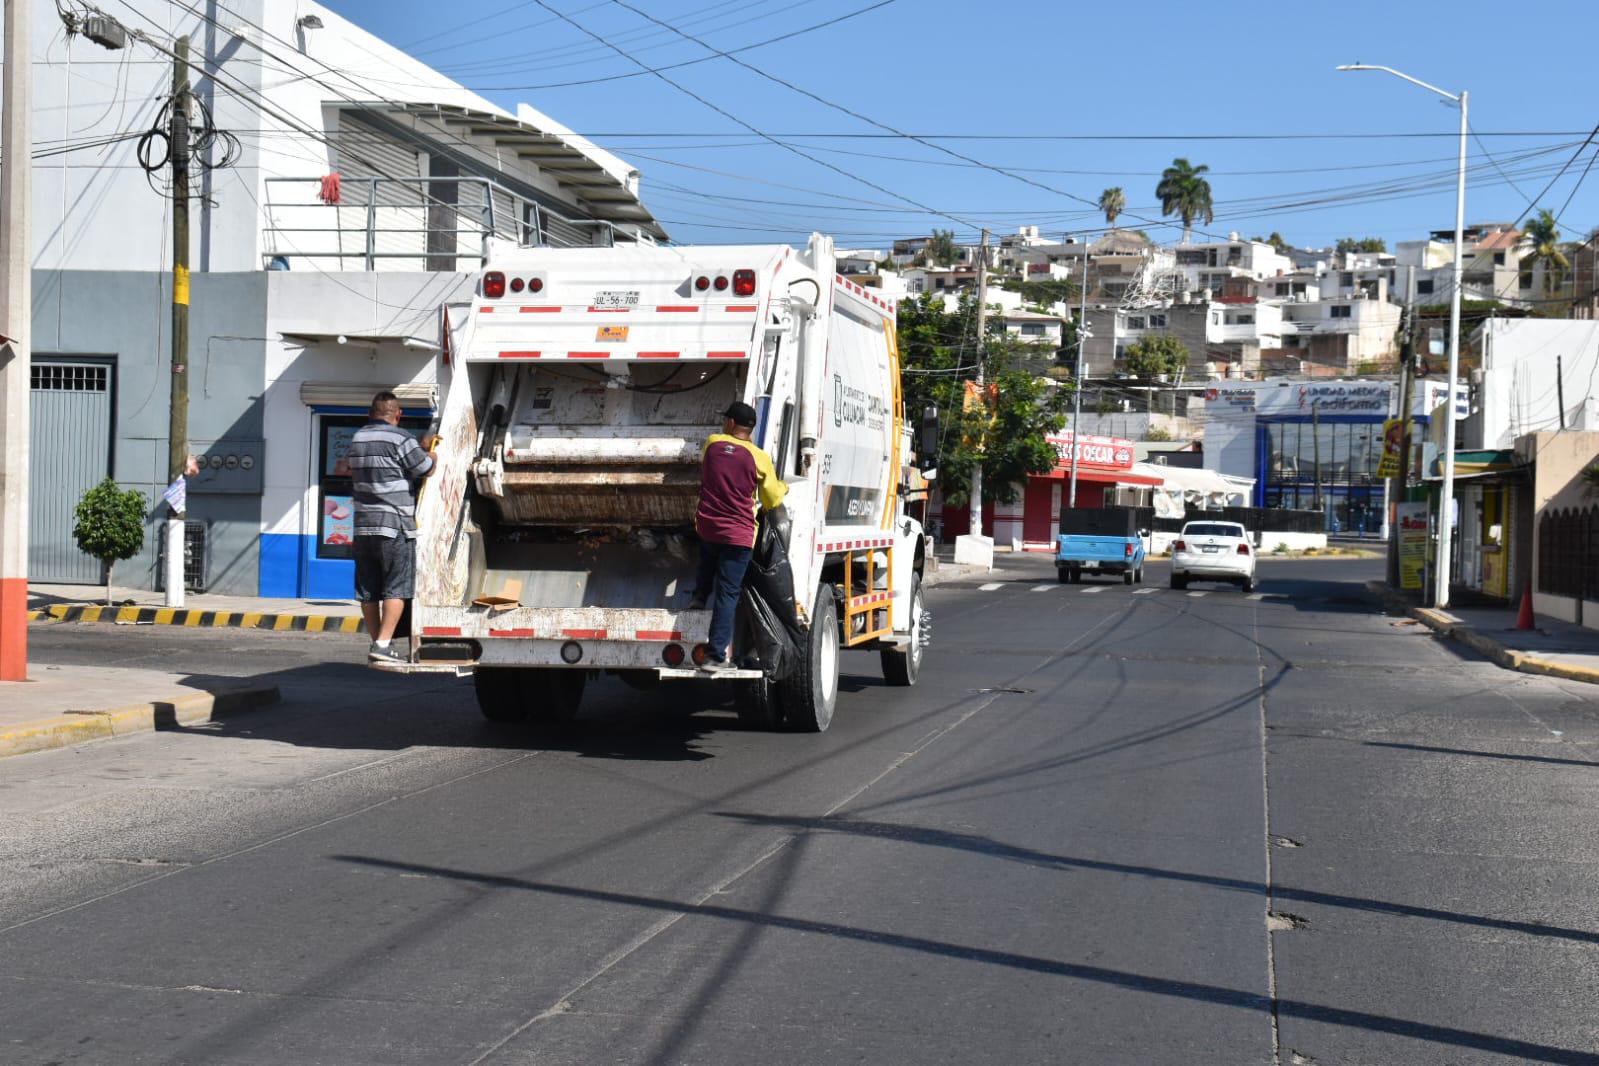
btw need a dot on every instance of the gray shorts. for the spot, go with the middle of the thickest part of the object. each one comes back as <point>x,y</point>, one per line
<point>385,568</point>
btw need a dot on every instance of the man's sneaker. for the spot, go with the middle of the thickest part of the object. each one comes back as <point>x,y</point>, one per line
<point>716,666</point>
<point>390,654</point>
<point>696,604</point>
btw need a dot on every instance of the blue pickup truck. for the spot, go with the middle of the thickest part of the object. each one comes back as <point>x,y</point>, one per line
<point>1101,540</point>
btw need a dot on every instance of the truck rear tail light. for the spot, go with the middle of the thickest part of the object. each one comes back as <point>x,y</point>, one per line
<point>721,283</point>
<point>571,653</point>
<point>702,283</point>
<point>1243,549</point>
<point>743,283</point>
<point>700,654</point>
<point>494,285</point>
<point>535,284</point>
<point>1127,550</point>
<point>1178,546</point>
<point>672,655</point>
<point>517,284</point>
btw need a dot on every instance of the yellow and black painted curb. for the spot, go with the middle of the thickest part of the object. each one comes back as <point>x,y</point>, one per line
<point>77,727</point>
<point>175,616</point>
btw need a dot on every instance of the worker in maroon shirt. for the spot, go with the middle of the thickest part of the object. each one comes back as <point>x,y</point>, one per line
<point>737,481</point>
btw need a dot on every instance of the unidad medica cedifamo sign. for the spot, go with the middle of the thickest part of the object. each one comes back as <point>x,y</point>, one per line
<point>1373,399</point>
<point>1107,453</point>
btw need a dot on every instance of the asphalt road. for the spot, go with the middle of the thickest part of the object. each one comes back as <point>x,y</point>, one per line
<point>1111,825</point>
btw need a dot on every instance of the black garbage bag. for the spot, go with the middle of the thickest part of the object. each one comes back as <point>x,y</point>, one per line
<point>767,634</point>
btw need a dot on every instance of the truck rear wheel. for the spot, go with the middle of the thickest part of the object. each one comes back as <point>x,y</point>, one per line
<point>900,668</point>
<point>809,695</point>
<point>517,695</point>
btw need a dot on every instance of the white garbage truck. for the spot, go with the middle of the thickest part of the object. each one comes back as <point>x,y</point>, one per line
<point>556,536</point>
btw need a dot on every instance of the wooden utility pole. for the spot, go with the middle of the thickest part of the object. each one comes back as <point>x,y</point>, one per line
<point>178,424</point>
<point>16,309</point>
<point>976,529</point>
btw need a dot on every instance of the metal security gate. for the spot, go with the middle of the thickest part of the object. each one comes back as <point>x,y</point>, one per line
<point>69,453</point>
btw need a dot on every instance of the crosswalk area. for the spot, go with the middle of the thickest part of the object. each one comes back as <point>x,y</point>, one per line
<point>1058,589</point>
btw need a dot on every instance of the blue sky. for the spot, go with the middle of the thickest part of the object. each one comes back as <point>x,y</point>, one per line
<point>989,80</point>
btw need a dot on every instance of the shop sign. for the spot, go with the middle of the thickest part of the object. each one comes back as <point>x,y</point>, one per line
<point>1393,447</point>
<point>1327,397</point>
<point>1412,544</point>
<point>1110,453</point>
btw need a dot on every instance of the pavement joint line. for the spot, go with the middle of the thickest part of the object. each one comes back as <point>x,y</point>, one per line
<point>280,621</point>
<point>1448,625</point>
<point>78,725</point>
<point>1144,592</point>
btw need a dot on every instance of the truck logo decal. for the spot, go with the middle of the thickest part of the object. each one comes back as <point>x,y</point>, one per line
<point>854,407</point>
<point>611,333</point>
<point>852,504</point>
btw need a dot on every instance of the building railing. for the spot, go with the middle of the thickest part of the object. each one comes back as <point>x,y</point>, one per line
<point>436,224</point>
<point>1568,553</point>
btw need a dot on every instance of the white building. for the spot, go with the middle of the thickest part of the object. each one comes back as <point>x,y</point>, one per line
<point>309,293</point>
<point>1516,391</point>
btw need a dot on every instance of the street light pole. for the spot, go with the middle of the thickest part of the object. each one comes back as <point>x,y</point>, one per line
<point>1077,399</point>
<point>1447,495</point>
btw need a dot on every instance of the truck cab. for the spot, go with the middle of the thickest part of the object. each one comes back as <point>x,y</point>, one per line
<point>1102,540</point>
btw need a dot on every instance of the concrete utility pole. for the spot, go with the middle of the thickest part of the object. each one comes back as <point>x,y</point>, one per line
<point>1407,381</point>
<point>178,424</point>
<point>1077,400</point>
<point>1560,391</point>
<point>976,529</point>
<point>16,309</point>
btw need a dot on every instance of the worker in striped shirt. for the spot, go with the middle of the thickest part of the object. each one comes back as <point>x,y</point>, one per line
<point>387,465</point>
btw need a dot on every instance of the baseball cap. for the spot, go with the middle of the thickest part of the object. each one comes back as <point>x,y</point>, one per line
<point>742,414</point>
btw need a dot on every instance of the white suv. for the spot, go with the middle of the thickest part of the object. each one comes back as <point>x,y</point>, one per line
<point>1213,551</point>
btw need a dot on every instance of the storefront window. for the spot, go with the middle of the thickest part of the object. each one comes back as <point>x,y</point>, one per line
<point>335,499</point>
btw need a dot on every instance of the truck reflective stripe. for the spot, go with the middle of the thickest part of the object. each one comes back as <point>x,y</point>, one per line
<point>519,355</point>
<point>510,632</point>
<point>678,308</point>
<point>657,634</point>
<point>584,634</point>
<point>659,355</point>
<point>539,310</point>
<point>441,631</point>
<point>743,309</point>
<point>588,355</point>
<point>727,355</point>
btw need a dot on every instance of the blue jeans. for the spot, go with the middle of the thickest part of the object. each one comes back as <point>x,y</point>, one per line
<point>721,579</point>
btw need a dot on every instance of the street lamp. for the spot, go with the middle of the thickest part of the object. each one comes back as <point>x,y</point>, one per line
<point>1447,502</point>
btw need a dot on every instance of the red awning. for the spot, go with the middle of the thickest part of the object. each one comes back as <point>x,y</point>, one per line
<point>1103,477</point>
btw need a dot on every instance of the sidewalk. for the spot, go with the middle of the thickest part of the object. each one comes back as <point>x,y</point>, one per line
<point>1554,648</point>
<point>62,705</point>
<point>86,603</point>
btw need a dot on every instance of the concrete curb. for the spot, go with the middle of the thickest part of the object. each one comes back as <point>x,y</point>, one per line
<point>172,616</point>
<point>76,727</point>
<point>1480,642</point>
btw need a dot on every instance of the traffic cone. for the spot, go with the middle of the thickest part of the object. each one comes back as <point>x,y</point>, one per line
<point>1524,616</point>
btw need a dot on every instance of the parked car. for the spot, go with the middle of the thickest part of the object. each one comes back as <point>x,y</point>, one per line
<point>1213,551</point>
<point>1101,540</point>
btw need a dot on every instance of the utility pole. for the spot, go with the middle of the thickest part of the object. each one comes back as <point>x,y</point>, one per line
<point>1077,399</point>
<point>16,309</point>
<point>982,338</point>
<point>178,424</point>
<point>1407,382</point>
<point>1560,391</point>
<point>1315,443</point>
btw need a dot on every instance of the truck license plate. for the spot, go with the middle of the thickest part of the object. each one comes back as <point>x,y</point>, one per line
<point>1091,564</point>
<point>614,298</point>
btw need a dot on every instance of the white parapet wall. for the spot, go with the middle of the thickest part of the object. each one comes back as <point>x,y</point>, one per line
<point>972,550</point>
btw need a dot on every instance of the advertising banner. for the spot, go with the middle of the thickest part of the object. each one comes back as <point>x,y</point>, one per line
<point>1393,447</point>
<point>1301,398</point>
<point>1412,545</point>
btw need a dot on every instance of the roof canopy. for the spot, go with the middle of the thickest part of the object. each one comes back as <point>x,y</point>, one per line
<point>595,177</point>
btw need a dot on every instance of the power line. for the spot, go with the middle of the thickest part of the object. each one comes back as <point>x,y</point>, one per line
<point>751,128</point>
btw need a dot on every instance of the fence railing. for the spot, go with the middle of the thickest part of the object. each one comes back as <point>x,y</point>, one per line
<point>1568,553</point>
<point>411,223</point>
<point>1253,519</point>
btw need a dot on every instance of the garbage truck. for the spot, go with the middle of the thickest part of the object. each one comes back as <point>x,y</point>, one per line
<point>556,535</point>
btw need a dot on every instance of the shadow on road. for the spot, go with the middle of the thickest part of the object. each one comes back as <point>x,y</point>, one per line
<point>1161,986</point>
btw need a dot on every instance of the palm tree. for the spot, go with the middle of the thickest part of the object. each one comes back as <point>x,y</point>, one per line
<point>1184,192</point>
<point>1540,242</point>
<point>1113,202</point>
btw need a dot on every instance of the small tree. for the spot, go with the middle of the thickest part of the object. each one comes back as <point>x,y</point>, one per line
<point>941,249</point>
<point>109,525</point>
<point>1361,244</point>
<point>1156,356</point>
